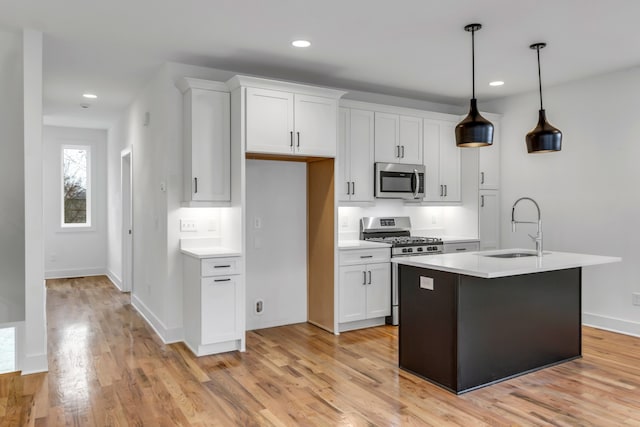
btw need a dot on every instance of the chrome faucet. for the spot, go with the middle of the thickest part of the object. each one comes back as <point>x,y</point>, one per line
<point>538,237</point>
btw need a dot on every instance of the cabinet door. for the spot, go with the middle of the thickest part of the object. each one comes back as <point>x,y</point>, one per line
<point>489,178</point>
<point>353,293</point>
<point>387,137</point>
<point>220,299</point>
<point>431,148</point>
<point>378,290</point>
<point>210,145</point>
<point>361,157</point>
<point>269,123</point>
<point>489,219</point>
<point>449,163</point>
<point>344,159</point>
<point>410,140</point>
<point>315,125</point>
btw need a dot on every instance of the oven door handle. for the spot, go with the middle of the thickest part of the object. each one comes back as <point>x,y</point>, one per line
<point>417,188</point>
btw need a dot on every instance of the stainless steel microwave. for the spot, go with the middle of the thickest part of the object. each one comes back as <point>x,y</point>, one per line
<point>399,181</point>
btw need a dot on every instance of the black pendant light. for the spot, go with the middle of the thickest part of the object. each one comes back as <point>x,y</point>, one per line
<point>474,130</point>
<point>544,137</point>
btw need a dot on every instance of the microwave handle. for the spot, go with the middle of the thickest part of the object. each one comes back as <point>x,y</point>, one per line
<point>417,190</point>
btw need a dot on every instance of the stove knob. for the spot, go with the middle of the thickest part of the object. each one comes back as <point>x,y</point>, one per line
<point>410,250</point>
<point>419,249</point>
<point>404,250</point>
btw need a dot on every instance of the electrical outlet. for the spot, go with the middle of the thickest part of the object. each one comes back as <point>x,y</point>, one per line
<point>188,225</point>
<point>259,307</point>
<point>344,221</point>
<point>635,298</point>
<point>257,222</point>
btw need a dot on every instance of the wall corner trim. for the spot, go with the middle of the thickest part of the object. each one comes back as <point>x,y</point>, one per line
<point>168,336</point>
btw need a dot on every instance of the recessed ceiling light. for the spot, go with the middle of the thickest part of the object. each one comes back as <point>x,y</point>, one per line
<point>301,43</point>
<point>90,95</point>
<point>496,83</point>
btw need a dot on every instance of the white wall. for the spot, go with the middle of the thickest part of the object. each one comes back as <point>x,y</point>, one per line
<point>588,192</point>
<point>74,252</point>
<point>12,295</point>
<point>276,258</point>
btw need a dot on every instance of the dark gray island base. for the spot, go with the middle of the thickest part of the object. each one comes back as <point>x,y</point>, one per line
<point>469,332</point>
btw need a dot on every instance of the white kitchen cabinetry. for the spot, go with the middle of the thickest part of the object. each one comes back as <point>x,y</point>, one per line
<point>364,288</point>
<point>442,162</point>
<point>355,155</point>
<point>207,143</point>
<point>489,158</point>
<point>489,219</point>
<point>288,119</point>
<point>398,139</point>
<point>213,305</point>
<point>457,247</point>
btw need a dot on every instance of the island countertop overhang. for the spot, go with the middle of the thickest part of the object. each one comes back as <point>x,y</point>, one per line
<point>479,264</point>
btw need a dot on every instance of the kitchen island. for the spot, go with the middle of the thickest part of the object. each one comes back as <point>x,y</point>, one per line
<point>471,319</point>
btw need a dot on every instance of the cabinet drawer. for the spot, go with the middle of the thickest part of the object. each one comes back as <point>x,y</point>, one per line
<point>461,247</point>
<point>220,266</point>
<point>364,256</point>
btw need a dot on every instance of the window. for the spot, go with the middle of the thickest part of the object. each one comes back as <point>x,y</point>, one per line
<point>76,186</point>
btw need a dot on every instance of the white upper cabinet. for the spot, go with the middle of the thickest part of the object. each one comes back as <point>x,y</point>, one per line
<point>288,119</point>
<point>269,121</point>
<point>442,162</point>
<point>207,143</point>
<point>489,156</point>
<point>355,155</point>
<point>398,139</point>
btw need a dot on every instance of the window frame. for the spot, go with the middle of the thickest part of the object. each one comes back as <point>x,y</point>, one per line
<point>88,225</point>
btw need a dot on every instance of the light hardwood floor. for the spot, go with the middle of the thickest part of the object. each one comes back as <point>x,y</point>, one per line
<point>107,367</point>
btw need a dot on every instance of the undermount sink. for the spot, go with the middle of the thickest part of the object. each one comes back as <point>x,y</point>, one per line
<point>512,255</point>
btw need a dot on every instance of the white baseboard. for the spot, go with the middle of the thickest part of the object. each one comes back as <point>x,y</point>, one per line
<point>611,324</point>
<point>117,282</point>
<point>34,363</point>
<point>74,272</point>
<point>167,335</point>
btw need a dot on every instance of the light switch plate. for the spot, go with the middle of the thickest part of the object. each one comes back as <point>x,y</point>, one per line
<point>188,225</point>
<point>426,283</point>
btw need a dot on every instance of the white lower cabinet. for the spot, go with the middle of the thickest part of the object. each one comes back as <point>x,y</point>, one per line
<point>213,305</point>
<point>452,248</point>
<point>364,288</point>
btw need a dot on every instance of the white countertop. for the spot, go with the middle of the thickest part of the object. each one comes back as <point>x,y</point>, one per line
<point>210,252</point>
<point>459,239</point>
<point>360,244</point>
<point>479,265</point>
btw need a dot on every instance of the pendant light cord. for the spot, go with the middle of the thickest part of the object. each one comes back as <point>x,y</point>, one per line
<point>539,77</point>
<point>473,64</point>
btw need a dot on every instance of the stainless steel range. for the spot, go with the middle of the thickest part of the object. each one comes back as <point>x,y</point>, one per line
<point>397,232</point>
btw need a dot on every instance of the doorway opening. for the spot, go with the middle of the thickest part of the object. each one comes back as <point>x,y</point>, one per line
<point>126,191</point>
<point>7,350</point>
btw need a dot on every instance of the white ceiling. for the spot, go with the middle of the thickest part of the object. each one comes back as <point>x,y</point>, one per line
<point>411,48</point>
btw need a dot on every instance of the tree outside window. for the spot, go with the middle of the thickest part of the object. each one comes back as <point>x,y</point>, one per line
<point>76,206</point>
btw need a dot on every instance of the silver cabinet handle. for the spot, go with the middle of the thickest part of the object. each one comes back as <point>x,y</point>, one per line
<point>402,151</point>
<point>222,280</point>
<point>348,188</point>
<point>298,134</point>
<point>291,139</point>
<point>441,190</point>
<point>366,256</point>
<point>364,277</point>
<point>482,201</point>
<point>417,175</point>
<point>221,266</point>
<point>445,190</point>
<point>481,177</point>
<point>461,249</point>
<point>353,188</point>
<point>196,184</point>
<point>369,276</point>
<point>397,151</point>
